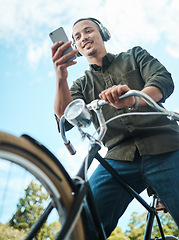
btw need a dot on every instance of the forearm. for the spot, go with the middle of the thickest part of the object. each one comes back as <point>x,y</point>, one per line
<point>62,98</point>
<point>153,92</point>
<point>61,63</point>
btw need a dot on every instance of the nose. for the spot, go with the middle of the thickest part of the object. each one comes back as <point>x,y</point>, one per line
<point>84,37</point>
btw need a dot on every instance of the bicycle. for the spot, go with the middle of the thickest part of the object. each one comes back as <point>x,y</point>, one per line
<point>68,195</point>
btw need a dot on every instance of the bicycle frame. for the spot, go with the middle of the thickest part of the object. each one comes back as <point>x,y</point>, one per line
<point>84,191</point>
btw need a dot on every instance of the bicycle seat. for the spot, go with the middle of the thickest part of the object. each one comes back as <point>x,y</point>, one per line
<point>159,206</point>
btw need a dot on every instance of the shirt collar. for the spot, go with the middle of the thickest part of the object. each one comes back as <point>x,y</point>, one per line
<point>107,60</point>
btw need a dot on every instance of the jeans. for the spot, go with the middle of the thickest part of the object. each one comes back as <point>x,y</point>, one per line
<point>161,172</point>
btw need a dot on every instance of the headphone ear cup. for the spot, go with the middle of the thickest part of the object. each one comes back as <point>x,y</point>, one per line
<point>105,33</point>
<point>79,54</point>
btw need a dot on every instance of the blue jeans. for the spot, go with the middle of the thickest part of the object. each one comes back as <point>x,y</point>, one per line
<point>161,172</point>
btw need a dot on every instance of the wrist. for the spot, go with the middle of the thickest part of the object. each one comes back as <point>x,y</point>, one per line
<point>136,103</point>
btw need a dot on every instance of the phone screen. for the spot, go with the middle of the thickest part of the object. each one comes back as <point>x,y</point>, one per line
<point>60,35</point>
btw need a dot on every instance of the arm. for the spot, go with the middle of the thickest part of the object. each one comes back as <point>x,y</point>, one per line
<point>153,92</point>
<point>63,96</point>
<point>157,81</point>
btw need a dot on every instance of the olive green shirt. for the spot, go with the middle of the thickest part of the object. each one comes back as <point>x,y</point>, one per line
<point>151,134</point>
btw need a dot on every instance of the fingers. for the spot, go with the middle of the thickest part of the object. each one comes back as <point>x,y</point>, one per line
<point>55,47</point>
<point>57,52</point>
<point>60,47</point>
<point>60,61</point>
<point>109,95</point>
<point>62,67</point>
<point>64,60</point>
<point>112,94</point>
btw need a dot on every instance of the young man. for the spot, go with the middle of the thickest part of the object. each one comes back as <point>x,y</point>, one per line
<point>144,150</point>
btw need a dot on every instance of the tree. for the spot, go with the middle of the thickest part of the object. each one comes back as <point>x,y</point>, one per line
<point>118,234</point>
<point>169,226</point>
<point>7,232</point>
<point>137,226</point>
<point>29,209</point>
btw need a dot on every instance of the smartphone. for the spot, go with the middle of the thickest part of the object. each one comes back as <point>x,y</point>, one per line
<point>60,35</point>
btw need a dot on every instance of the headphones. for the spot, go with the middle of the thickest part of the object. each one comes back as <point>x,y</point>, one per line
<point>105,34</point>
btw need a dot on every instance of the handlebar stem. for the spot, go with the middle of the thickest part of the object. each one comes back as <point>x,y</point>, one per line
<point>96,107</point>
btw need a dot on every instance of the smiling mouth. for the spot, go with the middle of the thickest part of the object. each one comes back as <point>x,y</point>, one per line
<point>87,44</point>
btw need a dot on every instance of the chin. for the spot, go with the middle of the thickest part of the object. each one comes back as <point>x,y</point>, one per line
<point>91,53</point>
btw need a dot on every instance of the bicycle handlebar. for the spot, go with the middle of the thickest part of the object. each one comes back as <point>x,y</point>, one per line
<point>67,143</point>
<point>96,105</point>
<point>139,94</point>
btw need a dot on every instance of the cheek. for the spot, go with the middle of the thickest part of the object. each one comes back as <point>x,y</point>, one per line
<point>80,49</point>
<point>78,45</point>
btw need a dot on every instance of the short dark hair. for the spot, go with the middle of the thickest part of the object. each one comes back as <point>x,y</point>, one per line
<point>88,18</point>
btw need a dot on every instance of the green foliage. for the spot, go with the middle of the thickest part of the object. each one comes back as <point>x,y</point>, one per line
<point>28,211</point>
<point>169,226</point>
<point>118,234</point>
<point>30,208</point>
<point>137,226</point>
<point>55,227</point>
<point>7,232</point>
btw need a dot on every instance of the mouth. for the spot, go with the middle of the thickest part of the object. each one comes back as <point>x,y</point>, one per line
<point>87,44</point>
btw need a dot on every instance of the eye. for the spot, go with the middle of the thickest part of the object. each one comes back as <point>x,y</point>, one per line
<point>88,31</point>
<point>77,38</point>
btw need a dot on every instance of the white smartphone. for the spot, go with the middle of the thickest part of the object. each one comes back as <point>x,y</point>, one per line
<point>60,35</point>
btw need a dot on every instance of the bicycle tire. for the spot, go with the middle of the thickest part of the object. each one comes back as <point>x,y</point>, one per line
<point>41,163</point>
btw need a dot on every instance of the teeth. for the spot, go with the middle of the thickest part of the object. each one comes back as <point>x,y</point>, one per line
<point>87,44</point>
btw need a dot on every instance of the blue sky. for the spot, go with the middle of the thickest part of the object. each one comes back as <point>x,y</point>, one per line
<point>27,77</point>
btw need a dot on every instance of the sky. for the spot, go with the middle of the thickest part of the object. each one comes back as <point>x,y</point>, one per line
<point>27,76</point>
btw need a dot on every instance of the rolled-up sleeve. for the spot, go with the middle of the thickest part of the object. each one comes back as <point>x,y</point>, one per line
<point>153,72</point>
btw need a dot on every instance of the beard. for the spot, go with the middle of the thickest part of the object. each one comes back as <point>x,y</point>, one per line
<point>91,53</point>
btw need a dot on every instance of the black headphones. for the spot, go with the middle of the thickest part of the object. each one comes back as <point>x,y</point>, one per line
<point>105,34</point>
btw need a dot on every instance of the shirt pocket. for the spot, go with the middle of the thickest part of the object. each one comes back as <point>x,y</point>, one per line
<point>133,80</point>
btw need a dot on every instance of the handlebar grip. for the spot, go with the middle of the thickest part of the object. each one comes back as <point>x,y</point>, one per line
<point>70,148</point>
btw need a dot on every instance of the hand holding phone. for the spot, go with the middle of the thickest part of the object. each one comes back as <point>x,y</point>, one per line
<point>60,35</point>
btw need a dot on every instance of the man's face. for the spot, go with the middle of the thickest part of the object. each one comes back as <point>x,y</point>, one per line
<point>88,38</point>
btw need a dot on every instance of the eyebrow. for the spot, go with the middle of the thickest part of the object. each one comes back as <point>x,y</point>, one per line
<point>82,30</point>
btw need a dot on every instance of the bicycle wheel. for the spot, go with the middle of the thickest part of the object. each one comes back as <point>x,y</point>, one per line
<point>40,165</point>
